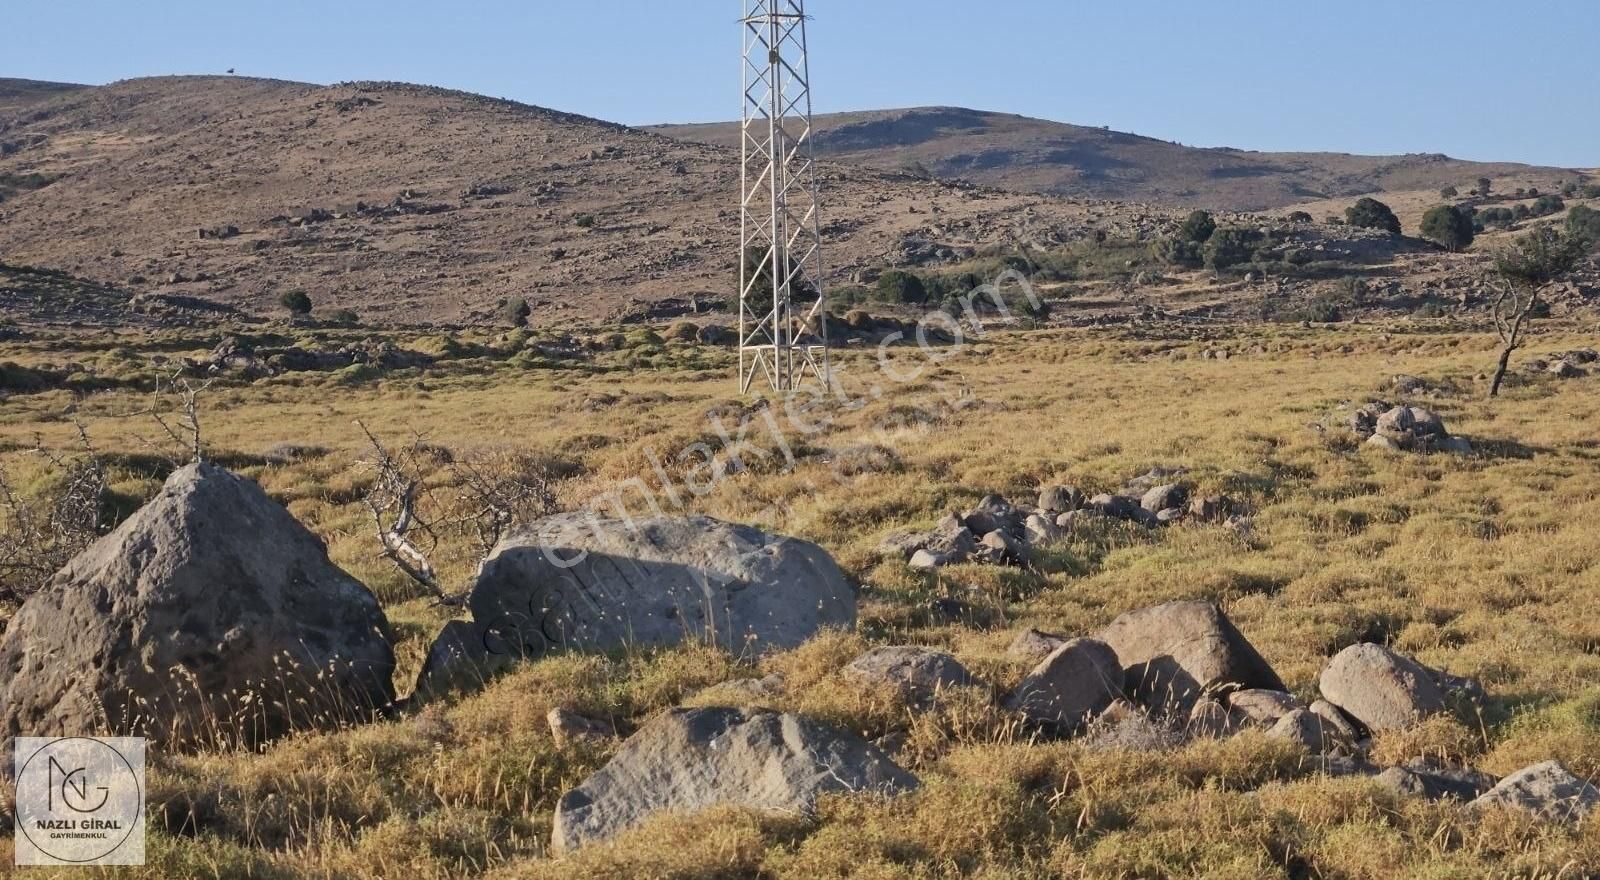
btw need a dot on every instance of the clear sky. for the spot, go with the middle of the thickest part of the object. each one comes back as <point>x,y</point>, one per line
<point>1478,79</point>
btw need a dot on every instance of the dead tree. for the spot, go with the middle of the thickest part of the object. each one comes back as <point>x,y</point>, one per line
<point>1532,263</point>
<point>484,494</point>
<point>183,431</point>
<point>392,500</point>
<point>41,532</point>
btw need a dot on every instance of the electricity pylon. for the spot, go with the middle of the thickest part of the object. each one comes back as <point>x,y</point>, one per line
<point>780,254</point>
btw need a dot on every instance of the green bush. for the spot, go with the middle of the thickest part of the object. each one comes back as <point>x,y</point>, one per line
<point>298,302</point>
<point>1231,246</point>
<point>1544,206</point>
<point>1501,217</point>
<point>1449,226</point>
<point>901,287</point>
<point>1372,214</point>
<point>1180,252</point>
<point>1584,222</point>
<point>1198,227</point>
<point>515,311</point>
<point>1449,192</point>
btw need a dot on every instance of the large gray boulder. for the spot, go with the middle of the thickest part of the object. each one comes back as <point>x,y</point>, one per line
<point>1380,688</point>
<point>583,583</point>
<point>209,617</point>
<point>1172,654</point>
<point>691,759</point>
<point>1547,790</point>
<point>1076,682</point>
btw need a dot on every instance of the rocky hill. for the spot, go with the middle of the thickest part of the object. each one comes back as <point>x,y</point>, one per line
<point>1033,155</point>
<point>411,204</point>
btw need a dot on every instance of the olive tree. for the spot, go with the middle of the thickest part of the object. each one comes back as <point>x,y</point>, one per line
<point>1524,270</point>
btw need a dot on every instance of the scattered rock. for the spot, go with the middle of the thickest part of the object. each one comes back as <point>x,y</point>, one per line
<point>918,675</point>
<point>1042,530</point>
<point>568,726</point>
<point>691,759</point>
<point>1169,497</point>
<point>1210,509</point>
<point>1307,729</point>
<point>1211,718</point>
<point>1075,683</point>
<point>1379,688</point>
<point>1435,780</point>
<point>1334,718</point>
<point>1060,499</point>
<point>1261,708</point>
<point>1547,790</point>
<point>209,613</point>
<point>1174,653</point>
<point>1000,548</point>
<point>458,661</point>
<point>1035,645</point>
<point>995,514</point>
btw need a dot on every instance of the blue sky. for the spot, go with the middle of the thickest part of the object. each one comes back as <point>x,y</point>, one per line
<point>1478,79</point>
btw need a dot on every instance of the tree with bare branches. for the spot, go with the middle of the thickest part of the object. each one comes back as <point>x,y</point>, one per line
<point>41,531</point>
<point>486,493</point>
<point>1523,271</point>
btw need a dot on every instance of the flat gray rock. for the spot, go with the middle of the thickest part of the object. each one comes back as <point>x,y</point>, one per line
<point>1547,790</point>
<point>581,583</point>
<point>918,675</point>
<point>690,759</point>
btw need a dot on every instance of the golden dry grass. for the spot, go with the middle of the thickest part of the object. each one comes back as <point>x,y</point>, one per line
<point>1484,565</point>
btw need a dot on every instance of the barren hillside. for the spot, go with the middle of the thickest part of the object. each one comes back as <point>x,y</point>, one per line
<point>1032,155</point>
<point>412,204</point>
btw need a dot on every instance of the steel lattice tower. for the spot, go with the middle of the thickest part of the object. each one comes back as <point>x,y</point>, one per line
<point>780,265</point>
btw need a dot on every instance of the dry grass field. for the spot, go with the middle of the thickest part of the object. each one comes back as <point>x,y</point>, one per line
<point>1485,565</point>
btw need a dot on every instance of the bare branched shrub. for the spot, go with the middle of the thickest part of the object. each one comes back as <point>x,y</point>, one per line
<point>483,495</point>
<point>40,531</point>
<point>183,443</point>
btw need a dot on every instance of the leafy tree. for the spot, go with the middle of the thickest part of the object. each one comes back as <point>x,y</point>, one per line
<point>1373,214</point>
<point>1532,263</point>
<point>516,311</point>
<point>1485,186</point>
<point>1544,206</point>
<point>1449,226</point>
<point>1231,246</point>
<point>298,302</point>
<point>1198,227</point>
<point>901,287</point>
<point>1496,217</point>
<point>1584,222</point>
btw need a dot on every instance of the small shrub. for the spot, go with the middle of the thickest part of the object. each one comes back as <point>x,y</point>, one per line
<point>1584,222</point>
<point>584,221</point>
<point>347,317</point>
<point>901,287</point>
<point>516,311</point>
<point>1485,186</point>
<point>1231,246</point>
<point>1544,206</point>
<point>1449,192</point>
<point>1299,217</point>
<point>1198,227</point>
<point>298,302</point>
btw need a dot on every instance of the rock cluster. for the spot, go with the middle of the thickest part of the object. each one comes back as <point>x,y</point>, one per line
<point>1405,428</point>
<point>1573,364</point>
<point>999,532</point>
